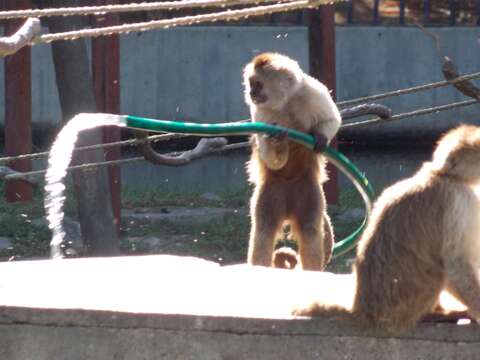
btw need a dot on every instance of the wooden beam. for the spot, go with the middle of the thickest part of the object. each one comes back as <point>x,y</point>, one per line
<point>321,40</point>
<point>18,120</point>
<point>106,79</point>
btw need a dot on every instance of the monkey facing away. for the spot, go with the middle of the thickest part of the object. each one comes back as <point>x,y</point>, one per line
<point>288,177</point>
<point>423,237</point>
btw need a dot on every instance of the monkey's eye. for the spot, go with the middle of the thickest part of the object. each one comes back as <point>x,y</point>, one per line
<point>255,85</point>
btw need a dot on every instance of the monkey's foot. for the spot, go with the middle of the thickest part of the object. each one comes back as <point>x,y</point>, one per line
<point>321,142</point>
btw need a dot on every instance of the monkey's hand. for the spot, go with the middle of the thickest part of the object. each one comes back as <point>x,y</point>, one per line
<point>274,149</point>
<point>279,136</point>
<point>321,141</point>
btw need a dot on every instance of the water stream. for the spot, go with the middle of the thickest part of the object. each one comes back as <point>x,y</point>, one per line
<point>59,159</point>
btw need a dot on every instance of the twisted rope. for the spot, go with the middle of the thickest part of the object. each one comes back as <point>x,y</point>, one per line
<point>103,9</point>
<point>165,137</point>
<point>412,113</point>
<point>183,21</point>
<point>153,138</point>
<point>226,147</point>
<point>410,90</point>
<point>92,166</point>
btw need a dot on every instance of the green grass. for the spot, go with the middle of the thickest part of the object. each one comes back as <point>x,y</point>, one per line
<point>16,223</point>
<point>220,240</point>
<point>22,223</point>
<point>152,197</point>
<point>224,241</point>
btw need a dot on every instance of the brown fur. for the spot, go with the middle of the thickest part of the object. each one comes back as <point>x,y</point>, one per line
<point>262,60</point>
<point>422,238</point>
<point>288,177</point>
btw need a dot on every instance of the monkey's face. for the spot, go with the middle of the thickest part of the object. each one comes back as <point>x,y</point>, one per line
<point>270,88</point>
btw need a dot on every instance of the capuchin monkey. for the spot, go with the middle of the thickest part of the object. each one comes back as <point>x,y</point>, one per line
<point>288,177</point>
<point>423,237</point>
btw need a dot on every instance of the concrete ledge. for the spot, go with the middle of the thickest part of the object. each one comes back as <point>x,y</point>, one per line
<point>165,307</point>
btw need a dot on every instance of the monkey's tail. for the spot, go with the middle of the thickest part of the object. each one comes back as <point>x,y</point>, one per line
<point>366,109</point>
<point>285,258</point>
<point>336,311</point>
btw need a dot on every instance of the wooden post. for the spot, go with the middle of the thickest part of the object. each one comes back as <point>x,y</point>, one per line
<point>106,80</point>
<point>18,118</point>
<point>321,40</point>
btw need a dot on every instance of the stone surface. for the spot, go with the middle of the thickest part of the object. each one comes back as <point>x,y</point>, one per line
<point>177,213</point>
<point>167,307</point>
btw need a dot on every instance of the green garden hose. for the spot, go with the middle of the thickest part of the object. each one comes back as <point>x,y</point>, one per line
<point>245,128</point>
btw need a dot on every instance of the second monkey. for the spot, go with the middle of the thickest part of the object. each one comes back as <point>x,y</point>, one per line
<point>288,177</point>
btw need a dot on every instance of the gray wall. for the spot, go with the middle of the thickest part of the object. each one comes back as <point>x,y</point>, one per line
<point>195,74</point>
<point>373,60</point>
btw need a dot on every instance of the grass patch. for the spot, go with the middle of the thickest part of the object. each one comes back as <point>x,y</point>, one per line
<point>152,197</point>
<point>18,223</point>
<point>219,240</point>
<point>222,240</point>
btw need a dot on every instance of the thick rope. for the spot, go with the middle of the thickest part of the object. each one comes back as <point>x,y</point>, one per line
<point>410,90</point>
<point>144,6</point>
<point>412,113</point>
<point>183,21</point>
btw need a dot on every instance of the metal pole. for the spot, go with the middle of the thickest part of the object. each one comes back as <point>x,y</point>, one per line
<point>18,118</point>
<point>106,79</point>
<point>321,39</point>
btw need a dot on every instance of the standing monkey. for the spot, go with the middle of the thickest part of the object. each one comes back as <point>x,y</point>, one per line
<point>288,177</point>
<point>423,237</point>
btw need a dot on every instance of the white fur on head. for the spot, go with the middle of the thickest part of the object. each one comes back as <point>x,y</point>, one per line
<point>458,153</point>
<point>280,75</point>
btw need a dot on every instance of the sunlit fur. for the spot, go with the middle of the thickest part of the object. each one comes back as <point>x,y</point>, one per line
<point>423,237</point>
<point>288,177</point>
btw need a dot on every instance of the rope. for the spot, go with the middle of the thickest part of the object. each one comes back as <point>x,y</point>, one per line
<point>165,137</point>
<point>96,10</point>
<point>153,138</point>
<point>410,90</point>
<point>91,166</point>
<point>412,113</point>
<point>225,148</point>
<point>183,21</point>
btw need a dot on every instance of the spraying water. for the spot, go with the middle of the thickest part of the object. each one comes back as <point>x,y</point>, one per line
<point>58,162</point>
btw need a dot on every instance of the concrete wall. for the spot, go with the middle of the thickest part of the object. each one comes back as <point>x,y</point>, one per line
<point>373,60</point>
<point>195,74</point>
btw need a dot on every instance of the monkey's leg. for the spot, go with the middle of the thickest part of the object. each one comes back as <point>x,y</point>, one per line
<point>308,225</point>
<point>463,282</point>
<point>268,214</point>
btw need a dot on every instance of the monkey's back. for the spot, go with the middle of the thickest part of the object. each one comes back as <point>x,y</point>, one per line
<point>400,261</point>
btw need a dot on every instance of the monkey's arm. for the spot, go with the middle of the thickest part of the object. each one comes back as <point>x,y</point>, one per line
<point>323,132</point>
<point>273,150</point>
